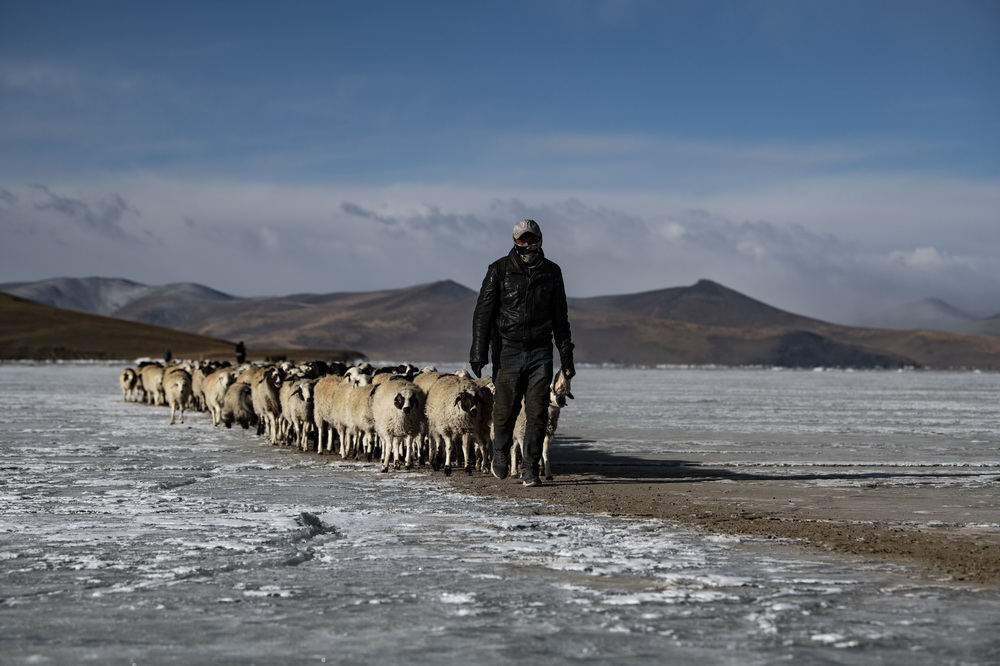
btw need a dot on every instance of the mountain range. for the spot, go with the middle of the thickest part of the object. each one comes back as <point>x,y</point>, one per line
<point>704,323</point>
<point>933,314</point>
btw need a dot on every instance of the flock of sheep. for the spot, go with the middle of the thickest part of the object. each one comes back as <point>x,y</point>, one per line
<point>400,415</point>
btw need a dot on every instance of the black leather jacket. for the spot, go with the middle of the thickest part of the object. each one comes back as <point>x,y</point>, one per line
<point>521,307</point>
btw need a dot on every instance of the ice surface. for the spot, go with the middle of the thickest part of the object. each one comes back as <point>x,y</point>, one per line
<point>123,539</point>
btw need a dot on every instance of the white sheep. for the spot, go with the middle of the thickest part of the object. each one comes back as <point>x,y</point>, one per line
<point>176,390</point>
<point>127,380</point>
<point>266,404</point>
<point>454,407</point>
<point>361,420</point>
<point>558,392</point>
<point>343,415</point>
<point>152,383</point>
<point>325,399</point>
<point>297,411</point>
<point>199,373</point>
<point>215,386</point>
<point>400,421</point>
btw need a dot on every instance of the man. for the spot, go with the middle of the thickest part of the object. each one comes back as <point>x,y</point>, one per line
<point>521,307</point>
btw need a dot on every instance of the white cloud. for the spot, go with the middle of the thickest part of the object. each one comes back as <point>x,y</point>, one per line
<point>930,259</point>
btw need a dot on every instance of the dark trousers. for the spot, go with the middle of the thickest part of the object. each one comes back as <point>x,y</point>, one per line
<point>521,374</point>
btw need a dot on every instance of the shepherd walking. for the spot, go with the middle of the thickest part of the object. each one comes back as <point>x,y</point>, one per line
<point>520,310</point>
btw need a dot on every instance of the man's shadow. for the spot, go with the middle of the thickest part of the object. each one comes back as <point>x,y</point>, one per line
<point>585,457</point>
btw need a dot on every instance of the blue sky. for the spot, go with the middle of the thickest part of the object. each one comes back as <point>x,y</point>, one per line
<point>827,157</point>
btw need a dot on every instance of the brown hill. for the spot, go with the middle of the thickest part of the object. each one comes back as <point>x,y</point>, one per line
<point>707,303</point>
<point>706,323</point>
<point>427,322</point>
<point>30,330</point>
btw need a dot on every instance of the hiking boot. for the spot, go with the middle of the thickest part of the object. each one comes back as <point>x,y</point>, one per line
<point>533,481</point>
<point>499,467</point>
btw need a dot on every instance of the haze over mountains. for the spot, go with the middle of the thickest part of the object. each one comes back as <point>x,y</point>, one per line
<point>703,323</point>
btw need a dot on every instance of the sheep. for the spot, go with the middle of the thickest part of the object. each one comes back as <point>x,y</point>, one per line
<point>297,411</point>
<point>215,386</point>
<point>484,431</point>
<point>398,412</point>
<point>454,405</point>
<point>198,375</point>
<point>127,380</point>
<point>343,415</point>
<point>152,383</point>
<point>426,378</point>
<point>266,405</point>
<point>176,390</point>
<point>237,407</point>
<point>558,392</point>
<point>361,420</point>
<point>325,397</point>
<point>382,377</point>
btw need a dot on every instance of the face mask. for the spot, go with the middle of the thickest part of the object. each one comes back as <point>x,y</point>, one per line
<point>529,254</point>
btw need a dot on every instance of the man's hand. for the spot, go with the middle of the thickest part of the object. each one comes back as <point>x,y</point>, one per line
<point>566,363</point>
<point>477,368</point>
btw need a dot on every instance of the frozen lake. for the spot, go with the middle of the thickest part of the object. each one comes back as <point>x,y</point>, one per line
<point>124,540</point>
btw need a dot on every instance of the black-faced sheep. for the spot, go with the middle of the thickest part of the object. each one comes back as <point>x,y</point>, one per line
<point>398,411</point>
<point>454,408</point>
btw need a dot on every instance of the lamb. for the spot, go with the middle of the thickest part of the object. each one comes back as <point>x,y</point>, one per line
<point>237,407</point>
<point>215,386</point>
<point>398,412</point>
<point>127,380</point>
<point>177,390</point>
<point>454,406</point>
<point>558,392</point>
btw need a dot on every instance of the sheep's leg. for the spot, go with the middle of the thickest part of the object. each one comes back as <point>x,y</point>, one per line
<point>432,452</point>
<point>275,429</point>
<point>545,457</point>
<point>386,454</point>
<point>467,452</point>
<point>446,443</point>
<point>171,414</point>
<point>410,444</point>
<point>182,413</point>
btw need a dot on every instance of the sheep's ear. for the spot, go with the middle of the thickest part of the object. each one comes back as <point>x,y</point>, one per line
<point>458,398</point>
<point>570,395</point>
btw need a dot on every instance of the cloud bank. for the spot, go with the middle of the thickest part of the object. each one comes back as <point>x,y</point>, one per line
<point>266,239</point>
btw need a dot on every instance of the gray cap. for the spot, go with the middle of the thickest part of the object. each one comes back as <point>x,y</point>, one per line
<point>527,227</point>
